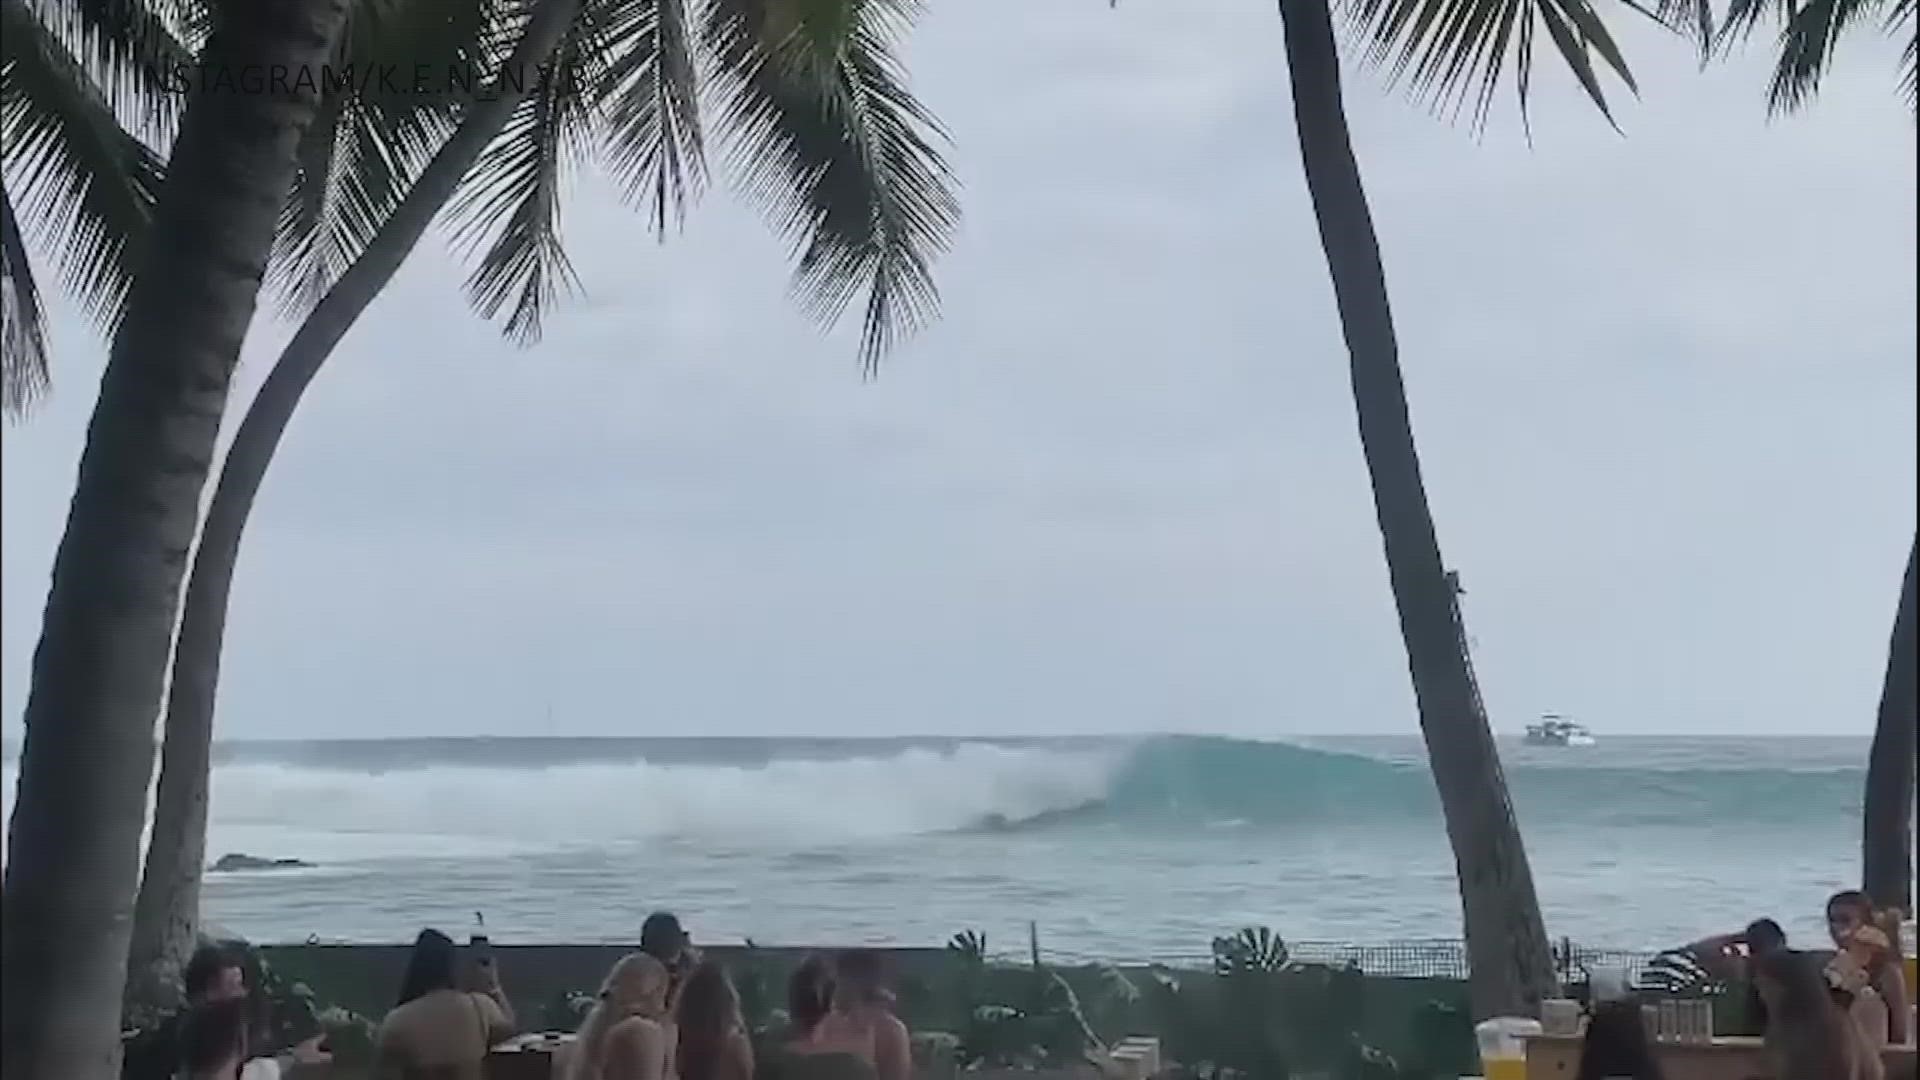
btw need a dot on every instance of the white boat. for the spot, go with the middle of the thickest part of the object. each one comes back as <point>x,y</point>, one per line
<point>1556,730</point>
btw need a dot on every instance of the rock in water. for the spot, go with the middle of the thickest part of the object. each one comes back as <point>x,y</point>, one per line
<point>230,863</point>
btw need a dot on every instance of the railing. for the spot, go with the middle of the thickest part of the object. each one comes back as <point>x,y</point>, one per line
<point>1438,958</point>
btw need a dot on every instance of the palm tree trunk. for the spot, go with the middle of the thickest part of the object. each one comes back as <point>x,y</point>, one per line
<point>1507,948</point>
<point>74,841</point>
<point>1887,826</point>
<point>167,915</point>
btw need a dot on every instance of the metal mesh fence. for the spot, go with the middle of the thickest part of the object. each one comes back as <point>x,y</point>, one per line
<point>1437,958</point>
<point>1447,959</point>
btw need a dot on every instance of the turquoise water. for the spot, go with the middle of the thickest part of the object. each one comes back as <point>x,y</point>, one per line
<point>1117,848</point>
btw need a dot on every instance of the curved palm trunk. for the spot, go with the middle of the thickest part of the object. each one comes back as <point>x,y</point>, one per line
<point>1512,967</point>
<point>1887,826</point>
<point>74,841</point>
<point>167,915</point>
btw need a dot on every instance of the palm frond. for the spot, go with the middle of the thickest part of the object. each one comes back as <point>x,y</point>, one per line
<point>1691,19</point>
<point>374,134</point>
<point>649,94</point>
<point>85,186</point>
<point>357,161</point>
<point>1453,53</point>
<point>1900,20</point>
<point>1907,73</point>
<point>824,135</point>
<point>135,51</point>
<point>1807,44</point>
<point>509,211</point>
<point>1742,17</point>
<point>23,323</point>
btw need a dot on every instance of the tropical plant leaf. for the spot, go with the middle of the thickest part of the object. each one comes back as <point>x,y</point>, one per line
<point>135,51</point>
<point>1253,950</point>
<point>1901,18</point>
<point>1455,53</point>
<point>1807,44</point>
<point>23,323</point>
<point>83,185</point>
<point>649,96</point>
<point>970,946</point>
<point>825,137</point>
<point>413,65</point>
<point>1116,986</point>
<point>1810,32</point>
<point>510,212</point>
<point>357,161</point>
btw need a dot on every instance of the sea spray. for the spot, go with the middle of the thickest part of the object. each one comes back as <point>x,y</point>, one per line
<point>1118,847</point>
<point>447,796</point>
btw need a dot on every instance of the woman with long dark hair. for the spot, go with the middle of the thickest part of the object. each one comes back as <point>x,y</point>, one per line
<point>438,1030</point>
<point>863,1013</point>
<point>814,1049</point>
<point>713,1037</point>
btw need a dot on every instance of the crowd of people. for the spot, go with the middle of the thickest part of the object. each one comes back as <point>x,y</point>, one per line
<point>665,1013</point>
<point>1825,1014</point>
<point>662,1013</point>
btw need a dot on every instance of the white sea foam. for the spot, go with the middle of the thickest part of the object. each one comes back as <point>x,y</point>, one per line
<point>288,811</point>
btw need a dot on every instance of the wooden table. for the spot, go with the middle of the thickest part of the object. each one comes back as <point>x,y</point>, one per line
<point>1727,1057</point>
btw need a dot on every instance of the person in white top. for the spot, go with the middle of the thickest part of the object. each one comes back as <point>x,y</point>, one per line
<point>213,1045</point>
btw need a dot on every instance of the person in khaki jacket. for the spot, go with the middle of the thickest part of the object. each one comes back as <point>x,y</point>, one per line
<point>439,1029</point>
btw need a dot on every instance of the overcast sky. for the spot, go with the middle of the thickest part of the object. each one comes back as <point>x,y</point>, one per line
<point>1663,386</point>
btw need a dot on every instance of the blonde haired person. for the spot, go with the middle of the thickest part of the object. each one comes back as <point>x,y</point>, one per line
<point>1867,968</point>
<point>627,1035</point>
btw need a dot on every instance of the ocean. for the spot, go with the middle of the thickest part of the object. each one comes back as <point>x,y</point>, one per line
<point>1117,848</point>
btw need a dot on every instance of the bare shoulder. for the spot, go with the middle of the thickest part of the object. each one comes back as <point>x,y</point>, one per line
<point>636,1028</point>
<point>891,1031</point>
<point>489,1008</point>
<point>394,1026</point>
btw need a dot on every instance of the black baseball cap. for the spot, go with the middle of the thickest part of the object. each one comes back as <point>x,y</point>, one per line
<point>662,937</point>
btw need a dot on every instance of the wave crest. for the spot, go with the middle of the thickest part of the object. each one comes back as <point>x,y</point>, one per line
<point>342,810</point>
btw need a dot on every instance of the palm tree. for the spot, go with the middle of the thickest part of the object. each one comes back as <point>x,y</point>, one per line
<point>87,754</point>
<point>825,133</point>
<point>355,165</point>
<point>1457,51</point>
<point>1886,843</point>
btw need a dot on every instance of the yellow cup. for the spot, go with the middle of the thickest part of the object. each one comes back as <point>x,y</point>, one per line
<point>1503,1046</point>
<point>1505,1069</point>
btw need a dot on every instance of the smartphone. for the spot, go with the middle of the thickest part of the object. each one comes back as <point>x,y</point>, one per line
<point>478,945</point>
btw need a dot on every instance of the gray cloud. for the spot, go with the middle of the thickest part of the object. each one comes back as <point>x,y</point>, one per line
<point>1663,384</point>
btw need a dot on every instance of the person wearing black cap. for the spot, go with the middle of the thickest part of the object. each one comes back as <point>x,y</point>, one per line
<point>663,938</point>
